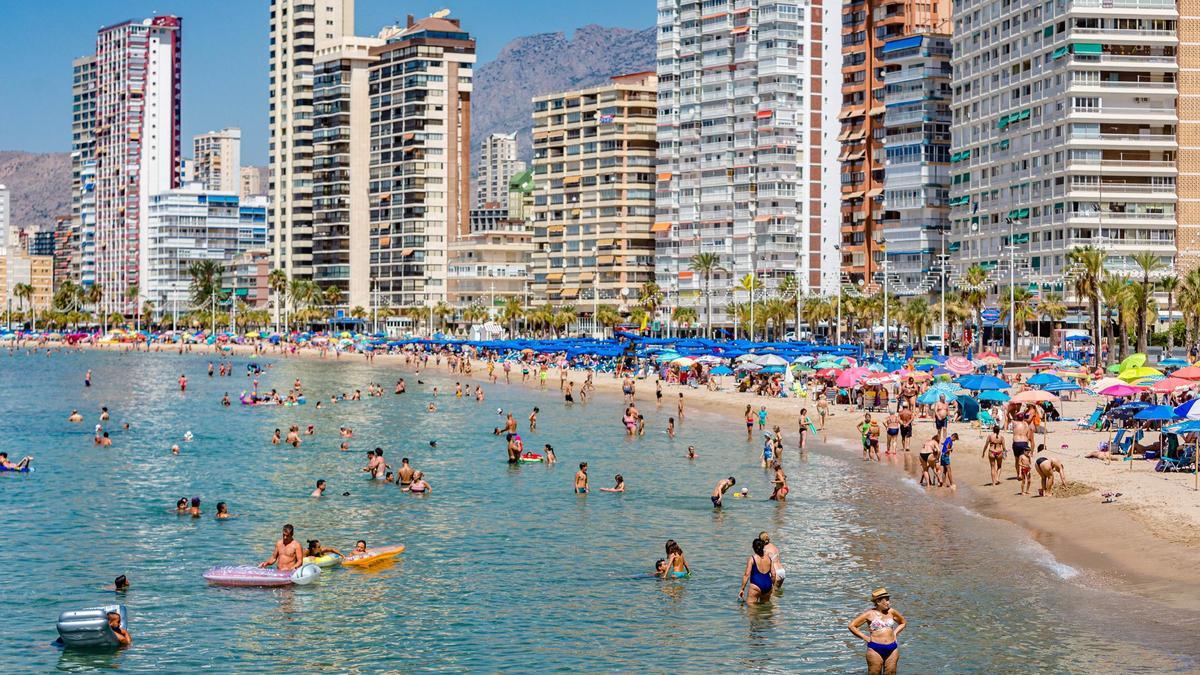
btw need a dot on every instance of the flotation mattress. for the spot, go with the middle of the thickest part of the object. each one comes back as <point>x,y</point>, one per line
<point>249,575</point>
<point>373,556</point>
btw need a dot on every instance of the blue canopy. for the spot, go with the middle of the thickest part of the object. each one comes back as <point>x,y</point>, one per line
<point>993,395</point>
<point>981,382</point>
<point>1173,363</point>
<point>1185,427</point>
<point>1042,379</point>
<point>1078,338</point>
<point>1158,413</point>
<point>1062,385</point>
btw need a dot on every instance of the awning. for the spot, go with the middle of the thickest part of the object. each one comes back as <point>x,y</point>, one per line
<point>554,229</point>
<point>660,227</point>
<point>605,242</point>
<point>1059,53</point>
<point>1089,48</point>
<point>554,277</point>
<point>570,292</point>
<point>406,252</point>
<point>852,195</point>
<point>739,30</point>
<point>666,175</point>
<point>686,274</point>
<point>605,259</point>
<point>874,193</point>
<point>385,241</point>
<point>878,109</point>
<point>762,219</point>
<point>854,156</point>
<point>763,114</point>
<point>902,43</point>
<point>586,276</point>
<point>855,135</point>
<point>570,179</point>
<point>854,111</point>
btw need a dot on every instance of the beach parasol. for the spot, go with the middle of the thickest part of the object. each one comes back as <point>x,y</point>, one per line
<point>721,370</point>
<point>1132,361</point>
<point>993,395</point>
<point>917,375</point>
<point>1061,385</point>
<point>1156,413</point>
<point>770,360</point>
<point>959,365</point>
<point>876,379</point>
<point>1188,373</point>
<point>709,358</point>
<point>1188,426</point>
<point>851,376</point>
<point>1170,384</point>
<point>746,365</point>
<point>981,382</point>
<point>1033,396</point>
<point>828,373</point>
<point>1173,363</point>
<point>1047,356</point>
<point>1120,390</point>
<point>773,370</point>
<point>1137,373</point>
<point>1189,410</point>
<point>1069,363</point>
<point>684,362</point>
<point>1042,379</point>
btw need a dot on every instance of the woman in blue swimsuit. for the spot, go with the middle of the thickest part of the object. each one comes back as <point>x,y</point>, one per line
<point>885,623</point>
<point>759,574</point>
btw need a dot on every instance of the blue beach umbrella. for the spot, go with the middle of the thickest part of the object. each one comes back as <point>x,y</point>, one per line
<point>1189,410</point>
<point>1060,386</point>
<point>1172,363</point>
<point>721,370</point>
<point>1157,413</point>
<point>993,395</point>
<point>1185,427</point>
<point>1042,379</point>
<point>773,369</point>
<point>981,382</point>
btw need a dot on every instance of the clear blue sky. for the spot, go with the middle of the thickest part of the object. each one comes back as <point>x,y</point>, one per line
<point>225,54</point>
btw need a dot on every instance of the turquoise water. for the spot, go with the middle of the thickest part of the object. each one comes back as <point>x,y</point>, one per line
<point>506,569</point>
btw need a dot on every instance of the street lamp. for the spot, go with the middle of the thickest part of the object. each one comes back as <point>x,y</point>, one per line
<point>1012,292</point>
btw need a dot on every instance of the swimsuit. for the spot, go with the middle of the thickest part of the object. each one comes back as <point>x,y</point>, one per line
<point>716,500</point>
<point>884,651</point>
<point>1040,460</point>
<point>906,430</point>
<point>760,579</point>
<point>679,574</point>
<point>1020,447</point>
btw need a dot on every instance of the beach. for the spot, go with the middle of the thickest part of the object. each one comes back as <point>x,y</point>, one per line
<point>1144,542</point>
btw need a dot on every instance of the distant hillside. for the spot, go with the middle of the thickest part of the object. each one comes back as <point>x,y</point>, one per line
<point>39,185</point>
<point>541,64</point>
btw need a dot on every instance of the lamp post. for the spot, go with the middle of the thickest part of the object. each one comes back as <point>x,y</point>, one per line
<point>1012,292</point>
<point>942,262</point>
<point>887,327</point>
<point>596,293</point>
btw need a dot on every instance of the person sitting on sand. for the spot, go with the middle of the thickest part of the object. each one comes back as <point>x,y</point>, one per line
<point>18,466</point>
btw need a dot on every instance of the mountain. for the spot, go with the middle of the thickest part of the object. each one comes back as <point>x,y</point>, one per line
<point>39,186</point>
<point>541,64</point>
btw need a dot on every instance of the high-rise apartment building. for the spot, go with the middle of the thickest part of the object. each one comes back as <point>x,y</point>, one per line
<point>1187,236</point>
<point>498,163</point>
<point>298,29</point>
<point>916,185</point>
<point>1064,119</point>
<point>747,165</point>
<point>83,171</point>
<point>252,183</point>
<point>420,90</point>
<point>341,166</point>
<point>191,224</point>
<point>136,132</point>
<point>867,25</point>
<point>593,171</point>
<point>217,156</point>
<point>490,266</point>
<point>7,231</point>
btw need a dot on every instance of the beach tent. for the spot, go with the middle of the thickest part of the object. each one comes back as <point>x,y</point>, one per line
<point>968,408</point>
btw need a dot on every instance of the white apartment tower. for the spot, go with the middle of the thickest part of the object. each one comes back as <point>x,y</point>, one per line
<point>747,118</point>
<point>82,243</point>
<point>298,29</point>
<point>217,158</point>
<point>498,163</point>
<point>136,151</point>
<point>1063,135</point>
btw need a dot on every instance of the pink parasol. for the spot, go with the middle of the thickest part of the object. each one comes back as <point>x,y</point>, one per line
<point>851,376</point>
<point>1033,396</point>
<point>917,375</point>
<point>1188,373</point>
<point>1121,390</point>
<point>1047,356</point>
<point>959,365</point>
<point>1170,384</point>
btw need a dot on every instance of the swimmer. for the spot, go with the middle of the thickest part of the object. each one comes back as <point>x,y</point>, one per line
<point>691,453</point>
<point>181,506</point>
<point>75,416</point>
<point>619,487</point>
<point>187,437</point>
<point>310,430</point>
<point>885,625</point>
<point>581,479</point>
<point>345,446</point>
<point>718,493</point>
<point>225,400</point>
<point>660,567</point>
<point>548,451</point>
<point>532,419</point>
<point>175,449</point>
<point>18,466</point>
<point>293,436</point>
<point>676,566</point>
<point>404,475</point>
<point>431,407</point>
<point>104,441</point>
<point>287,555</point>
<point>320,491</point>
<point>114,624</point>
<point>670,427</point>
<point>104,414</point>
<point>419,484</point>
<point>758,577</point>
<point>360,546</point>
<point>275,438</point>
<point>316,550</point>
<point>120,584</point>
<point>223,511</point>
<point>183,383</point>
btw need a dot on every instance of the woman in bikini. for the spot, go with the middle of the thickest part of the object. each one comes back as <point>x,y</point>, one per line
<point>893,432</point>
<point>993,449</point>
<point>677,567</point>
<point>885,625</point>
<point>759,576</point>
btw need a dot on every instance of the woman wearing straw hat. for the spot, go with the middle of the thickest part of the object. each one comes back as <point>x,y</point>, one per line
<point>885,623</point>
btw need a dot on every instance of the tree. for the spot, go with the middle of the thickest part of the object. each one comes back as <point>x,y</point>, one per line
<point>358,312</point>
<point>1189,305</point>
<point>332,295</point>
<point>915,315</point>
<point>685,316</point>
<point>816,311</point>
<point>789,289</point>
<point>753,285</point>
<point>1115,292</point>
<point>1089,263</point>
<point>475,313</point>
<point>975,295</point>
<point>564,317</point>
<point>22,292</point>
<point>650,297</point>
<point>1053,308</point>
<point>638,315</point>
<point>776,312</point>
<point>607,316</point>
<point>277,280</point>
<point>205,288</point>
<point>510,313</point>
<point>147,309</point>
<point>706,264</point>
<point>1169,285</point>
<point>1021,307</point>
<point>1149,263</point>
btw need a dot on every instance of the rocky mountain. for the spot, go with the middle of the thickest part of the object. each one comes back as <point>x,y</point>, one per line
<point>39,186</point>
<point>540,64</point>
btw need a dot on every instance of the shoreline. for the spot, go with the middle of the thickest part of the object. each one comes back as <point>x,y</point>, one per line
<point>1145,543</point>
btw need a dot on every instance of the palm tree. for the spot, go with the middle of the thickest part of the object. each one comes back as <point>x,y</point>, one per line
<point>206,283</point>
<point>1022,309</point>
<point>147,310</point>
<point>607,316</point>
<point>1053,308</point>
<point>510,313</point>
<point>975,295</point>
<point>22,292</point>
<point>814,311</point>
<point>777,311</point>
<point>332,295</point>
<point>1115,291</point>
<point>440,311</point>
<point>358,312</point>
<point>706,264</point>
<point>685,316</point>
<point>564,317</point>
<point>277,281</point>
<point>1090,262</point>
<point>915,315</point>
<point>1149,263</point>
<point>638,315</point>
<point>650,297</point>
<point>1189,305</point>
<point>789,289</point>
<point>1168,285</point>
<point>750,284</point>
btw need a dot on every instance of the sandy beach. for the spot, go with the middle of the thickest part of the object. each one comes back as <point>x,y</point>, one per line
<point>1145,542</point>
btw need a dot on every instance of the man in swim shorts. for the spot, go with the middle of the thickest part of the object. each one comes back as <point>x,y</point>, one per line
<point>404,475</point>
<point>941,416</point>
<point>718,495</point>
<point>288,553</point>
<point>581,479</point>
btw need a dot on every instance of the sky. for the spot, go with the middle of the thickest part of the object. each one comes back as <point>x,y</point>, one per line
<point>225,54</point>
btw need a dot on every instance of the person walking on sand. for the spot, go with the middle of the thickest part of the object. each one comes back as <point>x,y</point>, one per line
<point>805,425</point>
<point>822,410</point>
<point>1022,441</point>
<point>906,425</point>
<point>941,416</point>
<point>993,449</point>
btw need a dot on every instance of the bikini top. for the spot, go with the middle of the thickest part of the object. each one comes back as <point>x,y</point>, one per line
<point>885,622</point>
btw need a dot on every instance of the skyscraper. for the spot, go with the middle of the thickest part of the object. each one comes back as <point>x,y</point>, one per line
<point>218,157</point>
<point>1064,119</point>
<point>298,29</point>
<point>867,25</point>
<point>593,171</point>
<point>420,91</point>
<point>341,166</point>
<point>136,136</point>
<point>747,158</point>
<point>82,242</point>
<point>498,163</point>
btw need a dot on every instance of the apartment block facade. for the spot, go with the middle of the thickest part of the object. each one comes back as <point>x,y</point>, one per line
<point>420,89</point>
<point>916,185</point>
<point>497,164</point>
<point>747,167</point>
<point>137,145</point>
<point>867,26</point>
<point>594,176</point>
<point>298,28</point>
<point>341,165</point>
<point>1064,135</point>
<point>217,157</point>
<point>82,242</point>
